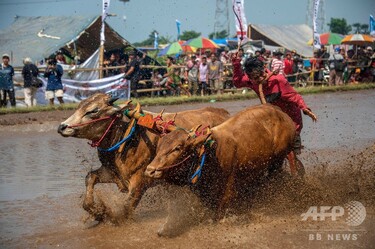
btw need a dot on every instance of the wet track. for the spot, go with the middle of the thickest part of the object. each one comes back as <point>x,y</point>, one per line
<point>42,182</point>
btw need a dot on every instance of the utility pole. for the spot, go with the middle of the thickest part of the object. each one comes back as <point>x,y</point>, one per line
<point>221,17</point>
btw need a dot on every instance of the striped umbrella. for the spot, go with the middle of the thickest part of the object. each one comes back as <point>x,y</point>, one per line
<point>175,48</point>
<point>328,39</point>
<point>201,42</point>
<point>357,39</point>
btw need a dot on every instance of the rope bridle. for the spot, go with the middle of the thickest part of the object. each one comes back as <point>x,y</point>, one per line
<point>97,143</point>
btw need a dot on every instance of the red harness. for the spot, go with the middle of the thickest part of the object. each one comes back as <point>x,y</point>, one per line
<point>97,143</point>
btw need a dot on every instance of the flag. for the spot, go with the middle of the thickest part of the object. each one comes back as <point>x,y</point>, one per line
<point>156,43</point>
<point>372,25</point>
<point>104,16</point>
<point>240,20</point>
<point>315,16</point>
<point>178,23</point>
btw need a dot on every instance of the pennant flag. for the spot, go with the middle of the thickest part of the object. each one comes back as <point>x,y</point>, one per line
<point>315,16</point>
<point>104,16</point>
<point>240,20</point>
<point>372,25</point>
<point>178,23</point>
<point>156,43</point>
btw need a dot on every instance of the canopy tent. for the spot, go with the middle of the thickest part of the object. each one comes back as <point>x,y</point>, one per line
<point>290,37</point>
<point>40,37</point>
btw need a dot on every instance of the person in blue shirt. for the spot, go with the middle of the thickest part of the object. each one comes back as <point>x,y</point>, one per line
<point>6,83</point>
<point>54,88</point>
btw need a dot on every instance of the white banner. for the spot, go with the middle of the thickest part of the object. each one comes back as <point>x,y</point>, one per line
<point>76,91</point>
<point>104,16</point>
<point>240,20</point>
<point>315,17</point>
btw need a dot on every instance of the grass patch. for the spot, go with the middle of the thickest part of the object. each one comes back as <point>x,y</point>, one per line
<point>197,99</point>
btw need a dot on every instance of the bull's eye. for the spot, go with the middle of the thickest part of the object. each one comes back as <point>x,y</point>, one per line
<point>94,111</point>
<point>178,147</point>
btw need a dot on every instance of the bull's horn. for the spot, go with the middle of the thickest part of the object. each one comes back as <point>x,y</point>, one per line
<point>161,113</point>
<point>193,131</point>
<point>136,112</point>
<point>112,100</point>
<point>124,105</point>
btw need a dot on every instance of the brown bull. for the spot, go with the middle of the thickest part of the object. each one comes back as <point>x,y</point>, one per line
<point>246,145</point>
<point>124,166</point>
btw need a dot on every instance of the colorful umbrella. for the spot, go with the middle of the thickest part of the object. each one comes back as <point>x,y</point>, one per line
<point>201,42</point>
<point>175,48</point>
<point>328,39</point>
<point>357,39</point>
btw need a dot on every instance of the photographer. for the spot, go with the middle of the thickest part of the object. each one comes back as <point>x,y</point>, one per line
<point>54,88</point>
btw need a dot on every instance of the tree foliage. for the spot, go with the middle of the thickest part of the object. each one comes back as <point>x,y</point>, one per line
<point>360,28</point>
<point>189,34</point>
<point>339,26</point>
<point>218,35</point>
<point>150,40</point>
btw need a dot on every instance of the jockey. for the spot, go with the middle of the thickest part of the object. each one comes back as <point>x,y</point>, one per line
<point>276,89</point>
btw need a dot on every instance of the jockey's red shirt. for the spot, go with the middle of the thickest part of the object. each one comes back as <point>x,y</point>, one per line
<point>290,101</point>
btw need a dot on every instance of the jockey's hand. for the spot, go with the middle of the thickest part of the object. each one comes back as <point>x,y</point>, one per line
<point>309,113</point>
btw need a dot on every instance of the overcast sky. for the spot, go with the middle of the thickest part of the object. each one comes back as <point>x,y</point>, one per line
<point>137,18</point>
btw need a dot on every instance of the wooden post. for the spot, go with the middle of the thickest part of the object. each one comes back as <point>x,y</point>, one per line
<point>101,60</point>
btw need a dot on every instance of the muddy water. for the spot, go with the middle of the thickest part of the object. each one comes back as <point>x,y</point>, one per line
<point>42,181</point>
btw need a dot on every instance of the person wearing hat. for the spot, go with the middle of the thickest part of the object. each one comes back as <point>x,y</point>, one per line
<point>29,71</point>
<point>132,73</point>
<point>6,83</point>
<point>276,89</point>
<point>54,73</point>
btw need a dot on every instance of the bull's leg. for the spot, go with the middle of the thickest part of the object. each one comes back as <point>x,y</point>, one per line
<point>292,163</point>
<point>228,195</point>
<point>138,185</point>
<point>101,175</point>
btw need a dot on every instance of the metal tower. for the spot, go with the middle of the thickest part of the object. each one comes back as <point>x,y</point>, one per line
<point>321,15</point>
<point>221,17</point>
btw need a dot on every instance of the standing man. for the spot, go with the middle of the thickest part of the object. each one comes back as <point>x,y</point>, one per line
<point>288,67</point>
<point>132,73</point>
<point>276,89</point>
<point>54,88</point>
<point>6,79</point>
<point>191,74</point>
<point>215,70</point>
<point>337,66</point>
<point>29,71</point>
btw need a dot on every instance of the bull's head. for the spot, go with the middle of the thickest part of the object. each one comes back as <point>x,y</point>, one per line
<point>95,107</point>
<point>173,150</point>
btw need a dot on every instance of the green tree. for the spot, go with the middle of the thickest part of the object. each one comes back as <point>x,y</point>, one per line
<point>218,35</point>
<point>339,26</point>
<point>150,40</point>
<point>365,29</point>
<point>356,26</point>
<point>189,34</point>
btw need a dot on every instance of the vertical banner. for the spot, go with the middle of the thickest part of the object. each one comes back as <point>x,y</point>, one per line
<point>315,17</point>
<point>372,25</point>
<point>104,16</point>
<point>240,20</point>
<point>156,43</point>
<point>178,24</point>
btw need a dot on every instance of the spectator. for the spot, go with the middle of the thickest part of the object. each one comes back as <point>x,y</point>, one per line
<point>337,66</point>
<point>133,73</point>
<point>112,62</point>
<point>215,70</point>
<point>276,63</point>
<point>288,67</point>
<point>203,76</point>
<point>54,88</point>
<point>6,83</point>
<point>224,56</point>
<point>191,74</point>
<point>60,58</point>
<point>29,71</point>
